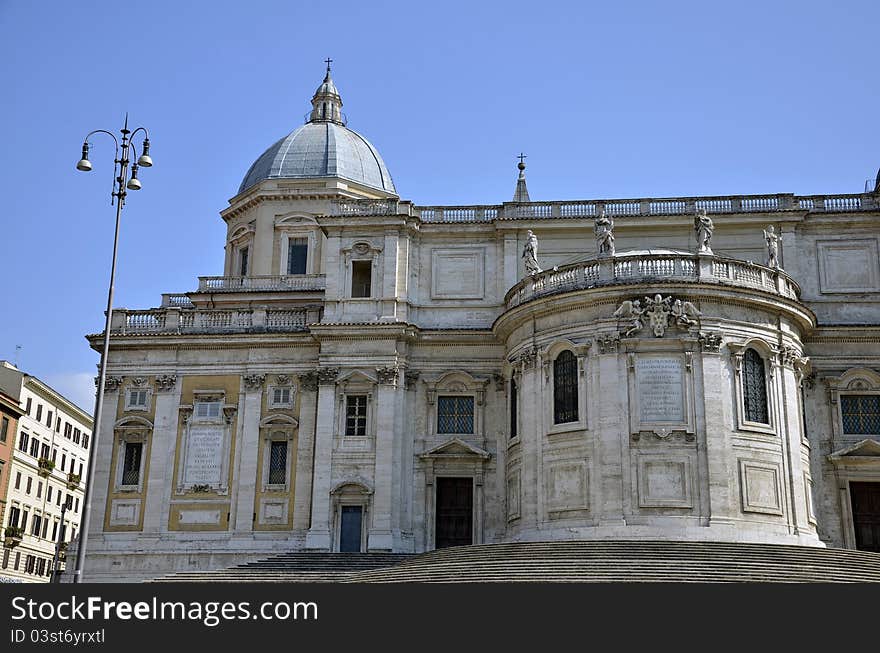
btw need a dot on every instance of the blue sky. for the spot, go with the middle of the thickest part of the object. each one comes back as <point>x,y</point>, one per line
<point>623,99</point>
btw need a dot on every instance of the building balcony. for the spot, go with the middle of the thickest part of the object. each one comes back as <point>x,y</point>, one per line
<point>651,266</point>
<point>265,283</point>
<point>73,481</point>
<point>12,536</point>
<point>45,467</point>
<point>177,320</point>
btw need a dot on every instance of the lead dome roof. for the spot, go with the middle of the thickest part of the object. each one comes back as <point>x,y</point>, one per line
<point>323,147</point>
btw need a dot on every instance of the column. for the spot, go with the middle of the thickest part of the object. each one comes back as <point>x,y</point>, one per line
<point>161,475</point>
<point>381,536</point>
<point>308,402</point>
<point>248,445</point>
<point>318,536</point>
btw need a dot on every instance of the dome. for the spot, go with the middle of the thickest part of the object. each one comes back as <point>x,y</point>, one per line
<point>323,147</point>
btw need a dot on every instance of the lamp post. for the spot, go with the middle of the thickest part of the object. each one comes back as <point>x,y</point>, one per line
<point>121,184</point>
<point>56,575</point>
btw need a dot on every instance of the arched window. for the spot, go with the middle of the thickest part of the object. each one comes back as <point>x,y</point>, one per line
<point>755,388</point>
<point>565,404</point>
<point>513,409</point>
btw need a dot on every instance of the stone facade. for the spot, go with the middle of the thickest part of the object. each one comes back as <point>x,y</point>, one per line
<point>374,375</point>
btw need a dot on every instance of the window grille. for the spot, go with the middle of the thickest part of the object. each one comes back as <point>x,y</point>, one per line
<point>755,388</point>
<point>356,415</point>
<point>278,463</point>
<point>861,414</point>
<point>455,414</point>
<point>131,464</point>
<point>565,385</point>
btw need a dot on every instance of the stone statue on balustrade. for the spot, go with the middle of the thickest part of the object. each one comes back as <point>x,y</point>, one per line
<point>772,240</point>
<point>604,230</point>
<point>703,226</point>
<point>530,254</point>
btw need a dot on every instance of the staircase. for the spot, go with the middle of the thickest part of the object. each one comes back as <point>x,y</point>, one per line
<point>566,562</point>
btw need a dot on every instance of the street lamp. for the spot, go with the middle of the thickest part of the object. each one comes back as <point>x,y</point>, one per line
<point>121,185</point>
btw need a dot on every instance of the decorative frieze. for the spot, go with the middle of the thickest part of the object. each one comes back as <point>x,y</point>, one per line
<point>410,378</point>
<point>253,381</point>
<point>111,383</point>
<point>166,382</point>
<point>282,379</point>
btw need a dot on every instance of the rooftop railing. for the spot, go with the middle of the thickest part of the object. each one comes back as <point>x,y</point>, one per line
<point>174,320</point>
<point>615,207</point>
<point>640,267</point>
<point>266,283</point>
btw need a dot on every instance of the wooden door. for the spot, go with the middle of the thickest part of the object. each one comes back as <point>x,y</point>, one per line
<point>455,512</point>
<point>866,515</point>
<point>350,529</point>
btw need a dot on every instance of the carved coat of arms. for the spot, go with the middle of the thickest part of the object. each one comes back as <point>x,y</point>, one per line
<point>657,313</point>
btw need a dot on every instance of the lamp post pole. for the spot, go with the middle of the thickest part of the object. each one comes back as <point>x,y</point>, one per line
<point>56,575</point>
<point>121,184</point>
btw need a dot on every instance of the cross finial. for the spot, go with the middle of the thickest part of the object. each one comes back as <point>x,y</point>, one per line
<point>521,157</point>
<point>521,165</point>
<point>328,61</point>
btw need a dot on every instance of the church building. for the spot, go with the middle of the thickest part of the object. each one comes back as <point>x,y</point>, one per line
<point>370,374</point>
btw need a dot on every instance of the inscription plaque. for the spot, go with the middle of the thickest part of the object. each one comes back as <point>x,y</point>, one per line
<point>204,451</point>
<point>660,390</point>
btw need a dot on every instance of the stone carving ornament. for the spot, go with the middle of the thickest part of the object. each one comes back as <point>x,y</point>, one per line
<point>607,343</point>
<point>530,253</point>
<point>710,342</point>
<point>111,383</point>
<point>704,227</point>
<point>604,230</point>
<point>327,375</point>
<point>308,381</point>
<point>166,382</point>
<point>253,381</point>
<point>656,314</point>
<point>388,375</point>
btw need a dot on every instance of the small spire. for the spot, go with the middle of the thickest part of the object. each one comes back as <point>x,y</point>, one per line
<point>326,103</point>
<point>522,193</point>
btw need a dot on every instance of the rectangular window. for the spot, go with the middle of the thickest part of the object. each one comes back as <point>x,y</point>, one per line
<point>54,531</point>
<point>137,400</point>
<point>455,414</point>
<point>361,278</point>
<point>41,567</point>
<point>49,419</point>
<point>278,463</point>
<point>23,442</point>
<point>17,560</point>
<point>80,472</point>
<point>280,396</point>
<point>35,448</point>
<point>207,409</point>
<point>36,525</point>
<point>4,429</point>
<point>39,489</point>
<point>67,430</point>
<point>76,434</point>
<point>14,516</point>
<point>29,564</point>
<point>356,415</point>
<point>39,412</point>
<point>6,553</point>
<point>68,501</point>
<point>54,454</point>
<point>27,408</point>
<point>17,480</point>
<point>85,441</point>
<point>63,461</point>
<point>76,504</point>
<point>297,253</point>
<point>243,261</point>
<point>131,463</point>
<point>45,527</point>
<point>30,482</point>
<point>48,494</point>
<point>44,451</point>
<point>58,425</point>
<point>58,499</point>
<point>861,414</point>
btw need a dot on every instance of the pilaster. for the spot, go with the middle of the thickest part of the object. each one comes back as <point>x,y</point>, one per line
<point>318,536</point>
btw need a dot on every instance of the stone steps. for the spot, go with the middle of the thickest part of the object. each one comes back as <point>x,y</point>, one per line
<point>570,561</point>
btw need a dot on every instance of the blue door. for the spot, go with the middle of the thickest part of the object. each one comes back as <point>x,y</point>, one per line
<point>350,529</point>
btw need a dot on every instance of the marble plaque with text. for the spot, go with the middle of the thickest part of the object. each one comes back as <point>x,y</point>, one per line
<point>659,382</point>
<point>204,451</point>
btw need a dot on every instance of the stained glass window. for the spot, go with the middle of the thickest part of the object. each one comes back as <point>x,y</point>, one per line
<point>565,384</point>
<point>861,414</point>
<point>755,388</point>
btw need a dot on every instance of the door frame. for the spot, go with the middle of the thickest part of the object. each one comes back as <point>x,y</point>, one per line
<point>351,493</point>
<point>473,506</point>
